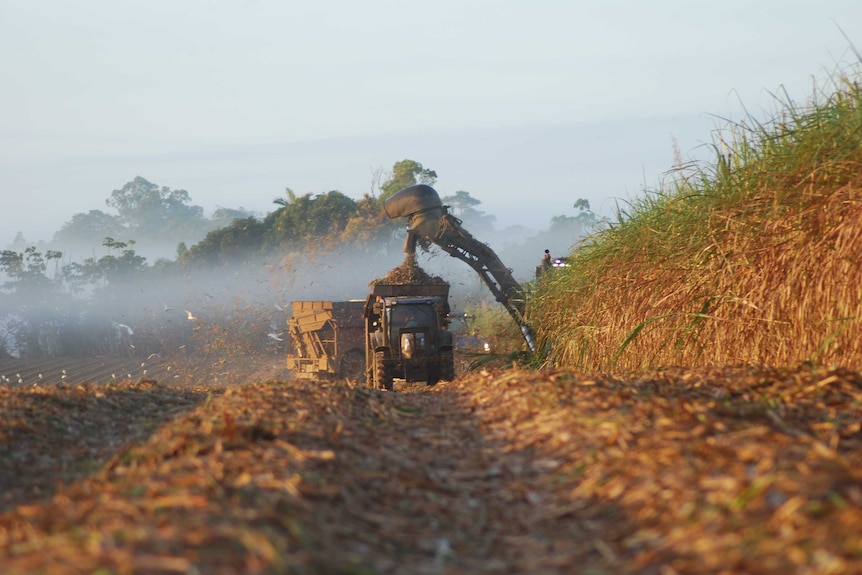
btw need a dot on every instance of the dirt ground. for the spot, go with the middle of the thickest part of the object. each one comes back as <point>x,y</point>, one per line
<point>719,470</point>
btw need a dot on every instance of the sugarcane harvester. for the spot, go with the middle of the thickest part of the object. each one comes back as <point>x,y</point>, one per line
<point>429,221</point>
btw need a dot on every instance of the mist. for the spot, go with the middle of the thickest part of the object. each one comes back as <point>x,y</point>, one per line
<point>239,306</point>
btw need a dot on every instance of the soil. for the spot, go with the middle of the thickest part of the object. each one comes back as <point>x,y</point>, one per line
<point>713,470</point>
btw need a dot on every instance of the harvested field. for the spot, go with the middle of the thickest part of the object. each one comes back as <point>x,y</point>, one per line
<point>173,369</point>
<point>714,470</point>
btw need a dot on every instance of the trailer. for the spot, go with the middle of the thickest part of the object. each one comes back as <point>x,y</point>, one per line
<point>327,339</point>
<point>399,332</point>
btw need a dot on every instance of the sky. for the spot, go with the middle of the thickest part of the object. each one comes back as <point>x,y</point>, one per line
<point>527,105</point>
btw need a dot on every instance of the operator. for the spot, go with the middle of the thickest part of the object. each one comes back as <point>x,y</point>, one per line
<point>546,261</point>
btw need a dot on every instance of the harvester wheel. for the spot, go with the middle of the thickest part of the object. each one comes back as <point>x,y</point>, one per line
<point>447,366</point>
<point>382,375</point>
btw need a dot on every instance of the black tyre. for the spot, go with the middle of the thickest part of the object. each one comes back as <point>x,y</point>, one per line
<point>447,366</point>
<point>382,374</point>
<point>369,372</point>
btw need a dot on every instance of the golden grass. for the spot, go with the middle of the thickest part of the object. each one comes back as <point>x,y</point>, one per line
<point>788,294</point>
<point>757,265</point>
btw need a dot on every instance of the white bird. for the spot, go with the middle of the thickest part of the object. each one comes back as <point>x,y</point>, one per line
<point>190,316</point>
<point>275,336</point>
<point>278,307</point>
<point>168,308</point>
<point>129,330</point>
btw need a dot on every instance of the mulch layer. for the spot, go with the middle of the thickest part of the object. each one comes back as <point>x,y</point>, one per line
<point>719,470</point>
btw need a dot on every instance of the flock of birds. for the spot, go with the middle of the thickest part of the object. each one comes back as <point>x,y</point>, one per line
<point>43,378</point>
<point>20,379</point>
<point>130,332</point>
<point>274,335</point>
<point>190,316</point>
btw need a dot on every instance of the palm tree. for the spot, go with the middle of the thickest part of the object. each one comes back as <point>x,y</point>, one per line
<point>291,199</point>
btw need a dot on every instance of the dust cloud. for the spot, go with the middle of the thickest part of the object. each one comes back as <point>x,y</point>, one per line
<point>237,307</point>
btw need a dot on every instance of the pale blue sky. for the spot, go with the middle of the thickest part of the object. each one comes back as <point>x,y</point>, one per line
<point>539,102</point>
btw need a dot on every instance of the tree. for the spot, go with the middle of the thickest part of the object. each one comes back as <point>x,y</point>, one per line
<point>305,218</point>
<point>114,271</point>
<point>124,267</point>
<point>158,213</point>
<point>90,228</point>
<point>586,220</point>
<point>404,174</point>
<point>369,229</point>
<point>465,204</point>
<point>223,217</point>
<point>461,201</point>
<point>567,231</point>
<point>31,307</point>
<point>236,242</point>
<point>19,243</point>
<point>27,271</point>
<point>290,200</point>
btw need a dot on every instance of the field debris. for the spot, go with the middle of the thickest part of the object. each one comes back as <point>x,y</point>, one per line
<point>409,272</point>
<point>58,433</point>
<point>708,470</point>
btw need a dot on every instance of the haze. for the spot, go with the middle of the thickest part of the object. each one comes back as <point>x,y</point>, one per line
<point>528,106</point>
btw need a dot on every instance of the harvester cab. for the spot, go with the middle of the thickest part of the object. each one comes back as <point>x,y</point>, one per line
<point>412,325</point>
<point>408,338</point>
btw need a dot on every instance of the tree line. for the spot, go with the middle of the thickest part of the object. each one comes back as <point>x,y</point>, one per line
<point>52,307</point>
